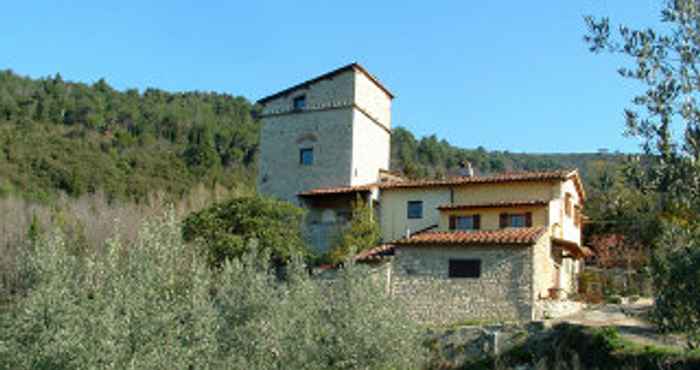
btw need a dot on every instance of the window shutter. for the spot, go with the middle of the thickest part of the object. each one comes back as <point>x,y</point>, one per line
<point>477,222</point>
<point>503,220</point>
<point>453,222</point>
<point>528,219</point>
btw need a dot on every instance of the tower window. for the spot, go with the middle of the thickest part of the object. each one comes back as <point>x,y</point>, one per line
<point>306,156</point>
<point>414,209</point>
<point>299,102</point>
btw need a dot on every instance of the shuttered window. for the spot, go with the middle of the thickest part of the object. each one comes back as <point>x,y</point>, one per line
<point>515,220</point>
<point>567,204</point>
<point>471,222</point>
<point>465,268</point>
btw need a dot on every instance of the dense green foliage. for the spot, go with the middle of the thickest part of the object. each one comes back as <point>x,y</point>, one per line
<point>362,233</point>
<point>58,136</point>
<point>665,62</point>
<point>229,229</point>
<point>77,138</point>
<point>677,282</point>
<point>153,304</point>
<point>431,157</point>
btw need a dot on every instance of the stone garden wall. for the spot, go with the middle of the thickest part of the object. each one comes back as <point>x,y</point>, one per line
<point>502,293</point>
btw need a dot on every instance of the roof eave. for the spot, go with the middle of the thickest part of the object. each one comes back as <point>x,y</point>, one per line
<point>352,66</point>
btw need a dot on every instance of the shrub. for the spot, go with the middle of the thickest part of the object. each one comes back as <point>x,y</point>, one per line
<point>676,275</point>
<point>363,233</point>
<point>228,229</point>
<point>154,303</point>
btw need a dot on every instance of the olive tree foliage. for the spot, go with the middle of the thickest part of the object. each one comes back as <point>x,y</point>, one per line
<point>666,118</point>
<point>677,275</point>
<point>227,229</point>
<point>156,304</point>
<point>667,64</point>
<point>362,233</point>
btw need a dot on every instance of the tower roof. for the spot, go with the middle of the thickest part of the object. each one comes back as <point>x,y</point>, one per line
<point>331,74</point>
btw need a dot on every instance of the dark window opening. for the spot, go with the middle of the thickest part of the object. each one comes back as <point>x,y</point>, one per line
<point>465,269</point>
<point>472,222</point>
<point>567,204</point>
<point>299,102</point>
<point>306,156</point>
<point>516,220</point>
<point>415,209</point>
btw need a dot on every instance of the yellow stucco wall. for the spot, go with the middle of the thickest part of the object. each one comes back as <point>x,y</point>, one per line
<point>490,217</point>
<point>393,215</point>
<point>569,230</point>
<point>394,221</point>
<point>505,192</point>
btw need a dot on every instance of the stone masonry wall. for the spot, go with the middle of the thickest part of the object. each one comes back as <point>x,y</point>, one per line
<point>502,293</point>
<point>329,133</point>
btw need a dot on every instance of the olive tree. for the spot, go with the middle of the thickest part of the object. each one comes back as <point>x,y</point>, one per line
<point>157,304</point>
<point>666,62</point>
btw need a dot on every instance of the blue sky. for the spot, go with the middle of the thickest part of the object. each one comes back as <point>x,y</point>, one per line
<point>506,75</point>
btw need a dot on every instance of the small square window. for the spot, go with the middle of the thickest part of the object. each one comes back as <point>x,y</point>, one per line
<point>299,102</point>
<point>465,222</point>
<point>306,156</point>
<point>517,220</point>
<point>415,209</point>
<point>465,269</point>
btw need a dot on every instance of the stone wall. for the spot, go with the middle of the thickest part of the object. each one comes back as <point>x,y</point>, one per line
<point>502,293</point>
<point>329,133</point>
<point>371,149</point>
<point>346,121</point>
<point>543,267</point>
<point>373,100</point>
<point>329,92</point>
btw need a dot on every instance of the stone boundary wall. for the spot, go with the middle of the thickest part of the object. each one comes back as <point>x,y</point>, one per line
<point>502,293</point>
<point>457,346</point>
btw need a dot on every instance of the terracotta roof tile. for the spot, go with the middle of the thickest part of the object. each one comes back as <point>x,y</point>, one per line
<point>509,236</point>
<point>579,251</point>
<point>491,179</point>
<point>523,203</point>
<point>337,190</point>
<point>376,253</point>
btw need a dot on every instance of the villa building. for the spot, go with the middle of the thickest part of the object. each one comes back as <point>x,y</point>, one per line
<point>498,247</point>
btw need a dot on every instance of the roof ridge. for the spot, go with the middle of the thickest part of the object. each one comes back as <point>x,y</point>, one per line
<point>354,66</point>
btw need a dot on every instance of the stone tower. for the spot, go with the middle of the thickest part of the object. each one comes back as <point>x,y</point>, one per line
<point>331,131</point>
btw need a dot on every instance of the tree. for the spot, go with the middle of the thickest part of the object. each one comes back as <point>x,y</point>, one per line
<point>153,304</point>
<point>667,64</point>
<point>677,282</point>
<point>362,233</point>
<point>231,228</point>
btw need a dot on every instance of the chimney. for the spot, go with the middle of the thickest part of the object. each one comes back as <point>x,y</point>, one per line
<point>466,169</point>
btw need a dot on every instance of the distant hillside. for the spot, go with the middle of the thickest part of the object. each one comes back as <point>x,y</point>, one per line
<point>58,136</point>
<point>64,137</point>
<point>430,157</point>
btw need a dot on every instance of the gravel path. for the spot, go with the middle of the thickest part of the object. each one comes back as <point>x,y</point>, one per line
<point>628,318</point>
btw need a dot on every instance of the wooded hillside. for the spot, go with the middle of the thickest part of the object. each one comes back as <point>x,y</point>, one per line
<point>58,136</point>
